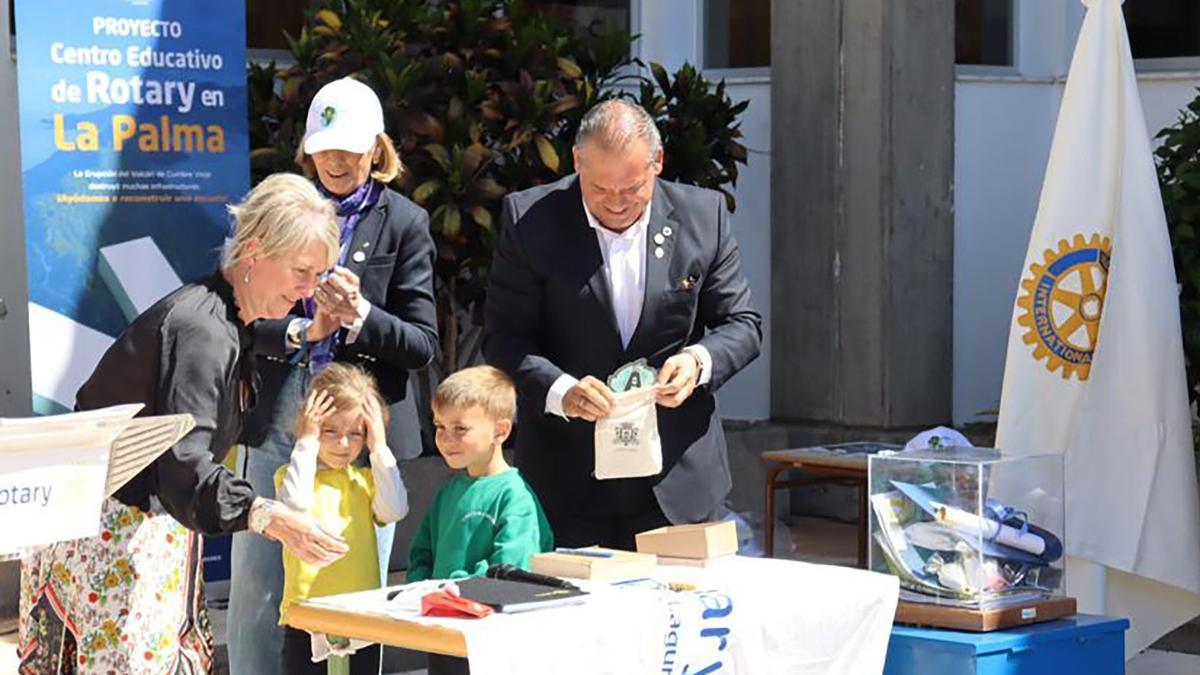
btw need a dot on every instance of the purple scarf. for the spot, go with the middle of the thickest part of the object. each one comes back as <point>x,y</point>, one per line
<point>351,209</point>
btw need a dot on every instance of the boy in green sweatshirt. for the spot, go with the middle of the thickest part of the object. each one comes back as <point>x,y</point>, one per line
<point>489,515</point>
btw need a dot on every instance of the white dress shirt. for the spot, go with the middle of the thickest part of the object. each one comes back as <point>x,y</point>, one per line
<point>624,256</point>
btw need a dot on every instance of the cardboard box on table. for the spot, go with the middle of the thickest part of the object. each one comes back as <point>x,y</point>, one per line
<point>57,470</point>
<point>696,545</point>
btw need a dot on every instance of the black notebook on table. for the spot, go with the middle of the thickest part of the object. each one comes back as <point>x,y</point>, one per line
<point>515,596</point>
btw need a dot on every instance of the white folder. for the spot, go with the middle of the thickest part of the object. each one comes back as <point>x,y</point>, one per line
<point>56,470</point>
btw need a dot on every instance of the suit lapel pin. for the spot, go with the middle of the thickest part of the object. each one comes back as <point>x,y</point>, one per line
<point>659,239</point>
<point>658,252</point>
<point>666,231</point>
<point>359,256</point>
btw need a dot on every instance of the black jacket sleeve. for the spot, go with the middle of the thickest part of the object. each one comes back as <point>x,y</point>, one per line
<point>196,374</point>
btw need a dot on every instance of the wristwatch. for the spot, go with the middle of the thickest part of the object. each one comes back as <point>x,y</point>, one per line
<point>260,515</point>
<point>297,333</point>
<point>699,361</point>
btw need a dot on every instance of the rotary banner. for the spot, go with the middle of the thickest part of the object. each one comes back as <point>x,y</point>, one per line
<point>1095,366</point>
<point>133,139</point>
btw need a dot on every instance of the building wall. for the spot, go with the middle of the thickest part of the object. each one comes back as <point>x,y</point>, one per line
<point>1004,125</point>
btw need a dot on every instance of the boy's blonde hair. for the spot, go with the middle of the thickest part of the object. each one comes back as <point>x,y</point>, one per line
<point>349,386</point>
<point>385,165</point>
<point>487,387</point>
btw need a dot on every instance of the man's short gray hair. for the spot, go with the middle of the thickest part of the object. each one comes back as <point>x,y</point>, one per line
<point>614,124</point>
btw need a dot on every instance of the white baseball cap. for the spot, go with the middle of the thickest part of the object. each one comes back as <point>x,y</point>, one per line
<point>344,115</point>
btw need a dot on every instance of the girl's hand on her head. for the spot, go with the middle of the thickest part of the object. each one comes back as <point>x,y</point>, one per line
<point>376,429</point>
<point>317,406</point>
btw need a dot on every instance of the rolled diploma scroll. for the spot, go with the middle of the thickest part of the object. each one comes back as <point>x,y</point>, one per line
<point>980,526</point>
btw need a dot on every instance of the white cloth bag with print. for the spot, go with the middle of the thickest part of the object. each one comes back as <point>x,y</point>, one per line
<point>627,443</point>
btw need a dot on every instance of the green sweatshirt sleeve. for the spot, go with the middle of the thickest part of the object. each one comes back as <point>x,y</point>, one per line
<point>518,533</point>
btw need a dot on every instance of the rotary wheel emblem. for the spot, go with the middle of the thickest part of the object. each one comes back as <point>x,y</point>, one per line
<point>1063,300</point>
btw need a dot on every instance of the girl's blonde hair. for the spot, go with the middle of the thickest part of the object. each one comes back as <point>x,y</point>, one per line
<point>281,215</point>
<point>349,386</point>
<point>385,164</point>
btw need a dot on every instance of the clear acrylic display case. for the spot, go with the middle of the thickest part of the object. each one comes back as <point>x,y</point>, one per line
<point>968,527</point>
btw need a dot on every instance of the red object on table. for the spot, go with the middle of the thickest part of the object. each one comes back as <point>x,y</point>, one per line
<point>444,603</point>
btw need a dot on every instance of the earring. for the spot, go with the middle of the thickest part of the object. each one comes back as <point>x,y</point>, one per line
<point>246,280</point>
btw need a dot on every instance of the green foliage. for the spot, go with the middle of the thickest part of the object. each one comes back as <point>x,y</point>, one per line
<point>483,98</point>
<point>1178,160</point>
<point>699,126</point>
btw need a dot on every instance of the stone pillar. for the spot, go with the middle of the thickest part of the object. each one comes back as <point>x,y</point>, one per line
<point>862,227</point>
<point>15,397</point>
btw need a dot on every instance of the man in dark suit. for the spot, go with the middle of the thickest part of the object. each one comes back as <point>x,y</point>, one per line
<point>596,270</point>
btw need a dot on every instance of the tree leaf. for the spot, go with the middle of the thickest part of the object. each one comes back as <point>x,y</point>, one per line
<point>425,190</point>
<point>451,221</point>
<point>329,18</point>
<point>569,68</point>
<point>439,154</point>
<point>490,188</point>
<point>482,216</point>
<point>547,152</point>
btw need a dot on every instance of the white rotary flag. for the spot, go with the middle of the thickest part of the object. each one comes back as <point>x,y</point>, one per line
<point>1095,366</point>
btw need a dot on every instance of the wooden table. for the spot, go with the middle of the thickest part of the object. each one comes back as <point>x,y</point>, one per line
<point>842,463</point>
<point>377,628</point>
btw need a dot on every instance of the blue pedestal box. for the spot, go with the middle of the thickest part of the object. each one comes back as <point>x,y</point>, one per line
<point>1084,643</point>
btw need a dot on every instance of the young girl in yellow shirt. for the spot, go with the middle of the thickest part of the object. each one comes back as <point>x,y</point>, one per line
<point>343,413</point>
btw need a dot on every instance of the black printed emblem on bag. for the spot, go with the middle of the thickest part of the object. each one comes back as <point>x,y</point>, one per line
<point>625,434</point>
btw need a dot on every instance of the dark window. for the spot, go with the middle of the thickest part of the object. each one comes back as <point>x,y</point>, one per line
<point>588,16</point>
<point>737,33</point>
<point>983,32</point>
<point>1162,29</point>
<point>266,20</point>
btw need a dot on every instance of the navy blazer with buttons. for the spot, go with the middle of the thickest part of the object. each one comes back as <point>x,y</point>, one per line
<point>549,312</point>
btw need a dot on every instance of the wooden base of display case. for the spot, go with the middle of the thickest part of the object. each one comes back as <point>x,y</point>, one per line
<point>983,620</point>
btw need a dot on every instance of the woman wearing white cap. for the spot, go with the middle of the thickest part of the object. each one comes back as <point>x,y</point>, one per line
<point>375,310</point>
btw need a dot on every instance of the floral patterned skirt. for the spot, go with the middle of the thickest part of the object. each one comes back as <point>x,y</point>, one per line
<point>129,601</point>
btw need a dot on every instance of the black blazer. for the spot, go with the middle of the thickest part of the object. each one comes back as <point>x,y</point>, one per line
<point>188,353</point>
<point>549,311</point>
<point>399,333</point>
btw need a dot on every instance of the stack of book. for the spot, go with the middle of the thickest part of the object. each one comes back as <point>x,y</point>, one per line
<point>595,564</point>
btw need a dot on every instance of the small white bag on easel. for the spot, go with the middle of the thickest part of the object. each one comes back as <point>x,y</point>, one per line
<point>627,442</point>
